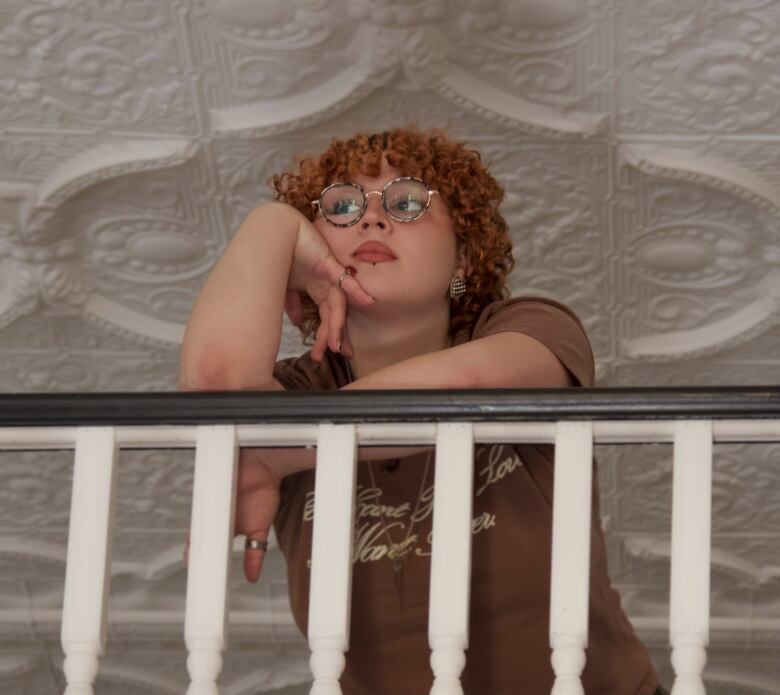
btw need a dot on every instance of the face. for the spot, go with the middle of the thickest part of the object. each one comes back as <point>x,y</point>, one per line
<point>406,263</point>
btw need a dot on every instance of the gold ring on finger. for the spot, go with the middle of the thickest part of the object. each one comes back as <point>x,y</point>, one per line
<point>349,271</point>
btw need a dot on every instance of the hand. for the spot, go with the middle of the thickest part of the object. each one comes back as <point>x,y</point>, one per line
<point>257,501</point>
<point>316,271</point>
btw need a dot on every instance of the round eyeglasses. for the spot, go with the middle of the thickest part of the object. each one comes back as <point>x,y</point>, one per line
<point>405,199</point>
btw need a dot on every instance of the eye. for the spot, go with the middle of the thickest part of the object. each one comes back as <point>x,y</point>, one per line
<point>408,203</point>
<point>343,206</point>
<point>406,198</point>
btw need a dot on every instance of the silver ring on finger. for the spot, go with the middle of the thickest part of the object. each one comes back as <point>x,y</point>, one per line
<point>256,544</point>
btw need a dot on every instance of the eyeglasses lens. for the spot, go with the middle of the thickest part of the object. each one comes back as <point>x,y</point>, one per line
<point>342,204</point>
<point>405,200</point>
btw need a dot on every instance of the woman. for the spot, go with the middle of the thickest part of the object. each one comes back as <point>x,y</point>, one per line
<point>391,252</point>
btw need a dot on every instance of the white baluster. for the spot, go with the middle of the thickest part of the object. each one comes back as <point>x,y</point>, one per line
<point>331,556</point>
<point>570,581</point>
<point>87,573</point>
<point>689,628</point>
<point>211,543</point>
<point>448,619</point>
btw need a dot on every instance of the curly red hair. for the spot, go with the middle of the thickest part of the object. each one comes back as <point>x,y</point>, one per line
<point>448,166</point>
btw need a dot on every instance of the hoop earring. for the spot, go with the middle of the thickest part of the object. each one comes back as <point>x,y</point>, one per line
<point>457,287</point>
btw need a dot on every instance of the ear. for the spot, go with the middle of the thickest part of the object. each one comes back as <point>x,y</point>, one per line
<point>464,264</point>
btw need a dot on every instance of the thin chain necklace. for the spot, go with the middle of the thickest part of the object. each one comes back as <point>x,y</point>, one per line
<point>396,551</point>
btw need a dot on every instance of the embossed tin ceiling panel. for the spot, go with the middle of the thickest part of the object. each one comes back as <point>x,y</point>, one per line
<point>639,144</point>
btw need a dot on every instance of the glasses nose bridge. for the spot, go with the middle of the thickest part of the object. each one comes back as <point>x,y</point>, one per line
<point>381,195</point>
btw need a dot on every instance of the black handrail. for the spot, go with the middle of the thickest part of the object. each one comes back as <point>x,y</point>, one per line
<point>476,405</point>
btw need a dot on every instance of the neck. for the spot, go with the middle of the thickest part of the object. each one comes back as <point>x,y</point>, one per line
<point>378,343</point>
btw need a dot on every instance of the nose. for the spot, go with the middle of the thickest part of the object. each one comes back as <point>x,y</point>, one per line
<point>375,216</point>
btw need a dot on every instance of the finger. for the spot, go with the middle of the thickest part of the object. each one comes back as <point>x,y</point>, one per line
<point>337,304</point>
<point>293,307</point>
<point>352,288</point>
<point>321,337</point>
<point>253,564</point>
<point>346,282</point>
<point>346,342</point>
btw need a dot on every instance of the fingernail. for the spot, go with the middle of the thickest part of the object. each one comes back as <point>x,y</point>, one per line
<point>352,270</point>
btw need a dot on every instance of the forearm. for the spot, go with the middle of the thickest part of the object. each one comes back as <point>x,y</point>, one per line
<point>503,360</point>
<point>233,335</point>
<point>436,370</point>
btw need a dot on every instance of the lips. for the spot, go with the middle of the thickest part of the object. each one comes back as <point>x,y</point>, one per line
<point>373,252</point>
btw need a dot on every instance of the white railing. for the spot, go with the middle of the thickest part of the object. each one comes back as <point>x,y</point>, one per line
<point>216,425</point>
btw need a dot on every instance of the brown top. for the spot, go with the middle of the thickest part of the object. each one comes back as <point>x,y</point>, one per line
<point>510,592</point>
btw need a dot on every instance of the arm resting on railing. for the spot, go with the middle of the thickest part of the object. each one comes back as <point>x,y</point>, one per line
<point>233,335</point>
<point>503,360</point>
<point>488,362</point>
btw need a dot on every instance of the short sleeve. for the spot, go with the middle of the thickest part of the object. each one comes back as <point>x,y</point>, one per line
<point>551,323</point>
<point>304,374</point>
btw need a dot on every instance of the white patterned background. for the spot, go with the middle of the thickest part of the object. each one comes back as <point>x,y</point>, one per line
<point>639,143</point>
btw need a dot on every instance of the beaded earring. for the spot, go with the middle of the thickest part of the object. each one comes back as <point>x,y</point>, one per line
<point>457,287</point>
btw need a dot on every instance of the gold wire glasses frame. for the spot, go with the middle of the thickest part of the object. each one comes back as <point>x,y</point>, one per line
<point>381,193</point>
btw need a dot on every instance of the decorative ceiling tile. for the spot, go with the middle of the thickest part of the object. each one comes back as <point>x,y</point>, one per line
<point>745,579</point>
<point>551,55</point>
<point>55,371</point>
<point>753,159</point>
<point>694,274</point>
<point>35,489</point>
<point>27,672</point>
<point>728,372</point>
<point>557,221</point>
<point>761,353</point>
<point>93,66</point>
<point>699,67</point>
<point>244,49</point>
<point>744,483</point>
<point>13,592</point>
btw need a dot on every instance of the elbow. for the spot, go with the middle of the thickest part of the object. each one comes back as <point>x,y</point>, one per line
<point>202,373</point>
<point>473,376</point>
<point>211,371</point>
